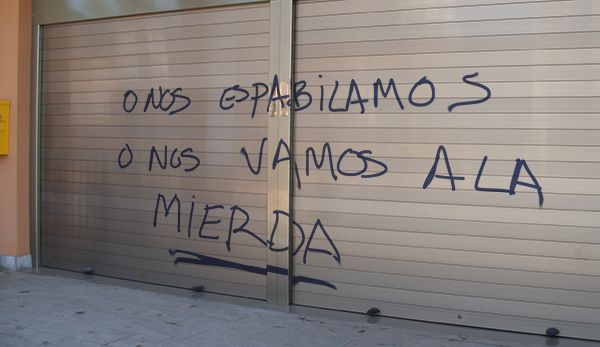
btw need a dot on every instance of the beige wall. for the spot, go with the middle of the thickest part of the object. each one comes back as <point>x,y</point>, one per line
<point>15,52</point>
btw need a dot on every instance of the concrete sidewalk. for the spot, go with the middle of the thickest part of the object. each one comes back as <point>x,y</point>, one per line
<point>65,309</point>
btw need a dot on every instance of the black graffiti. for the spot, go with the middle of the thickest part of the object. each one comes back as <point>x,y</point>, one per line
<point>352,97</point>
<point>520,166</point>
<point>164,159</point>
<point>466,79</point>
<point>172,158</point>
<point>126,98</point>
<point>239,223</point>
<point>315,241</point>
<point>378,86</point>
<point>167,209</point>
<point>515,180</point>
<point>244,152</point>
<point>433,171</point>
<point>297,229</point>
<point>242,228</point>
<point>422,81</point>
<point>125,164</point>
<point>201,259</point>
<point>205,220</point>
<point>158,99</point>
<point>335,166</point>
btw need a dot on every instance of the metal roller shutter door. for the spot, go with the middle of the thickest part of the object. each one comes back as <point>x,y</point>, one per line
<point>97,214</point>
<point>479,258</point>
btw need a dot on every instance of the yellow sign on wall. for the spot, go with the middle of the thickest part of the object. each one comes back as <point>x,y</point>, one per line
<point>4,126</point>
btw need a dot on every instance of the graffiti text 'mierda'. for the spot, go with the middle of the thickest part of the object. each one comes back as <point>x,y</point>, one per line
<point>238,221</point>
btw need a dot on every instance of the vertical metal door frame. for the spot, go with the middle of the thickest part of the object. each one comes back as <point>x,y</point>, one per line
<point>35,179</point>
<point>279,180</point>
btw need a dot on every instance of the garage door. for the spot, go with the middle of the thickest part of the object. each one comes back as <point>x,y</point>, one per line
<point>142,176</point>
<point>466,189</point>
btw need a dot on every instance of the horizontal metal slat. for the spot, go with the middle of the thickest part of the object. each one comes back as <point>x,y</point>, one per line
<point>128,229</point>
<point>409,120</point>
<point>160,34</point>
<point>174,19</point>
<point>198,55</point>
<point>456,212</point>
<point>463,288</point>
<point>443,270</point>
<point>321,8</point>
<point>255,68</point>
<point>121,244</point>
<point>253,40</point>
<point>463,195</point>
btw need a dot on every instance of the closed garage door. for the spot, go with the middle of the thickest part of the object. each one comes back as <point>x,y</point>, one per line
<point>142,176</point>
<point>510,238</point>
